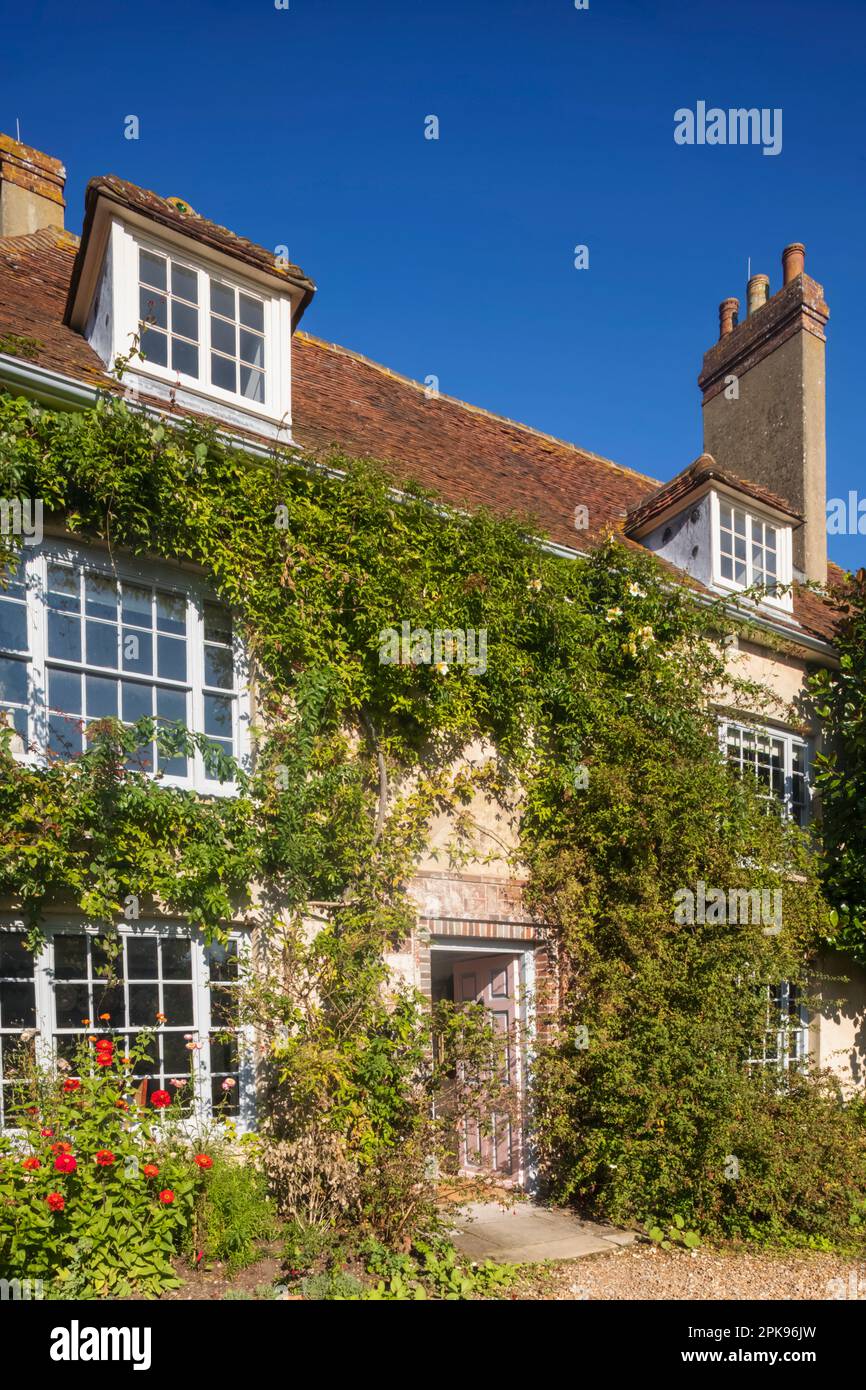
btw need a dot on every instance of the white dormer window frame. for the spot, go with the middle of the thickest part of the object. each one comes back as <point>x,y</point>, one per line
<point>209,323</point>
<point>750,546</point>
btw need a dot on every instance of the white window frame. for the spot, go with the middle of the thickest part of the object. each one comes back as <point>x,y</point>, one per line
<point>784,552</point>
<point>789,741</point>
<point>244,1120</point>
<point>785,1040</point>
<point>125,245</point>
<point>195,593</point>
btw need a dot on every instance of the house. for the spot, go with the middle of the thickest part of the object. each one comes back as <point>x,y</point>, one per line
<point>84,635</point>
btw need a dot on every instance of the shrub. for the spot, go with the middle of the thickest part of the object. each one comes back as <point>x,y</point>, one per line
<point>97,1192</point>
<point>234,1214</point>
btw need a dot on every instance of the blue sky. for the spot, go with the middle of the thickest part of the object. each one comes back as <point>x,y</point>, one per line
<point>454,257</point>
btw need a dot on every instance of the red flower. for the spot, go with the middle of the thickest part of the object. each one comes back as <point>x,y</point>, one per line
<point>204,1160</point>
<point>104,1158</point>
<point>61,1148</point>
<point>65,1163</point>
<point>105,1017</point>
<point>150,1170</point>
<point>104,1059</point>
<point>160,1099</point>
<point>31,1164</point>
<point>55,1201</point>
<point>71,1084</point>
<point>166,1196</point>
<point>121,1105</point>
<point>46,1133</point>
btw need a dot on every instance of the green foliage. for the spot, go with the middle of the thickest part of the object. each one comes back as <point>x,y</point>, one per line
<point>841,773</point>
<point>235,1214</point>
<point>96,1194</point>
<point>600,664</point>
<point>675,1236</point>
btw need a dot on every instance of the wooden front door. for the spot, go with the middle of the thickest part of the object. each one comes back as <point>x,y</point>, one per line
<point>493,1143</point>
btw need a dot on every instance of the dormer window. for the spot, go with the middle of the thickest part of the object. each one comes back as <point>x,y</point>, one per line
<point>204,330</point>
<point>197,318</point>
<point>751,550</point>
<point>748,548</point>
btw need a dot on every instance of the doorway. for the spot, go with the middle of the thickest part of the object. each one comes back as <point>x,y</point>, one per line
<point>500,977</point>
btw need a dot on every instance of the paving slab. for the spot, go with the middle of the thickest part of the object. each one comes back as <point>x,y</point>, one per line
<point>524,1233</point>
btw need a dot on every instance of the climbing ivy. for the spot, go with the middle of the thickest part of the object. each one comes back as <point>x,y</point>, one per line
<point>588,740</point>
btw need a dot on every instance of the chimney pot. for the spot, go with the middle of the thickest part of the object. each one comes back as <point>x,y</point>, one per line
<point>757,292</point>
<point>728,310</point>
<point>31,189</point>
<point>793,261</point>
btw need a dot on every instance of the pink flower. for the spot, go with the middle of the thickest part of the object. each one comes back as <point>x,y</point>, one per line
<point>229,1084</point>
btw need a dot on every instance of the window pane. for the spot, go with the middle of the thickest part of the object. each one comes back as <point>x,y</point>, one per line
<point>70,957</point>
<point>100,596</point>
<point>171,613</point>
<point>15,959</point>
<point>222,336</point>
<point>102,644</point>
<point>137,651</point>
<point>223,961</point>
<point>143,1004</point>
<point>137,701</point>
<point>217,624</point>
<point>151,269</point>
<point>175,1057</point>
<point>101,696</point>
<point>13,627</point>
<point>252,313</point>
<point>222,372</point>
<point>17,1005</point>
<point>64,737</point>
<point>176,958</point>
<point>177,1005</point>
<point>152,308</point>
<point>184,320</point>
<point>13,580</point>
<point>218,716</point>
<point>141,957</point>
<point>171,705</point>
<point>13,681</point>
<point>222,299</point>
<point>184,283</point>
<point>184,357</point>
<point>218,667</point>
<point>63,590</point>
<point>64,691</point>
<point>154,347</point>
<point>252,348</point>
<point>252,385</point>
<point>72,1004</point>
<point>136,605</point>
<point>171,658</point>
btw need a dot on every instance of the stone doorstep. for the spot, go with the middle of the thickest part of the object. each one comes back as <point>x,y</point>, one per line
<point>527,1234</point>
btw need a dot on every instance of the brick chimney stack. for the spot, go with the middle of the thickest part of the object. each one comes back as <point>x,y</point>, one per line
<point>31,189</point>
<point>763,400</point>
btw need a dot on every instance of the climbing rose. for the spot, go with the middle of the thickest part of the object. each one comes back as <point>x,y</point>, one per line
<point>71,1084</point>
<point>160,1099</point>
<point>104,1158</point>
<point>31,1163</point>
<point>166,1196</point>
<point>204,1160</point>
<point>55,1201</point>
<point>150,1170</point>
<point>65,1163</point>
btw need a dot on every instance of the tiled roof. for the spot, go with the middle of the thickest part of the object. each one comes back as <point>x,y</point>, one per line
<point>343,400</point>
<point>704,469</point>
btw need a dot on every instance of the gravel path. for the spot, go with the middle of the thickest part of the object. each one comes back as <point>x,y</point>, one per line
<point>648,1273</point>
